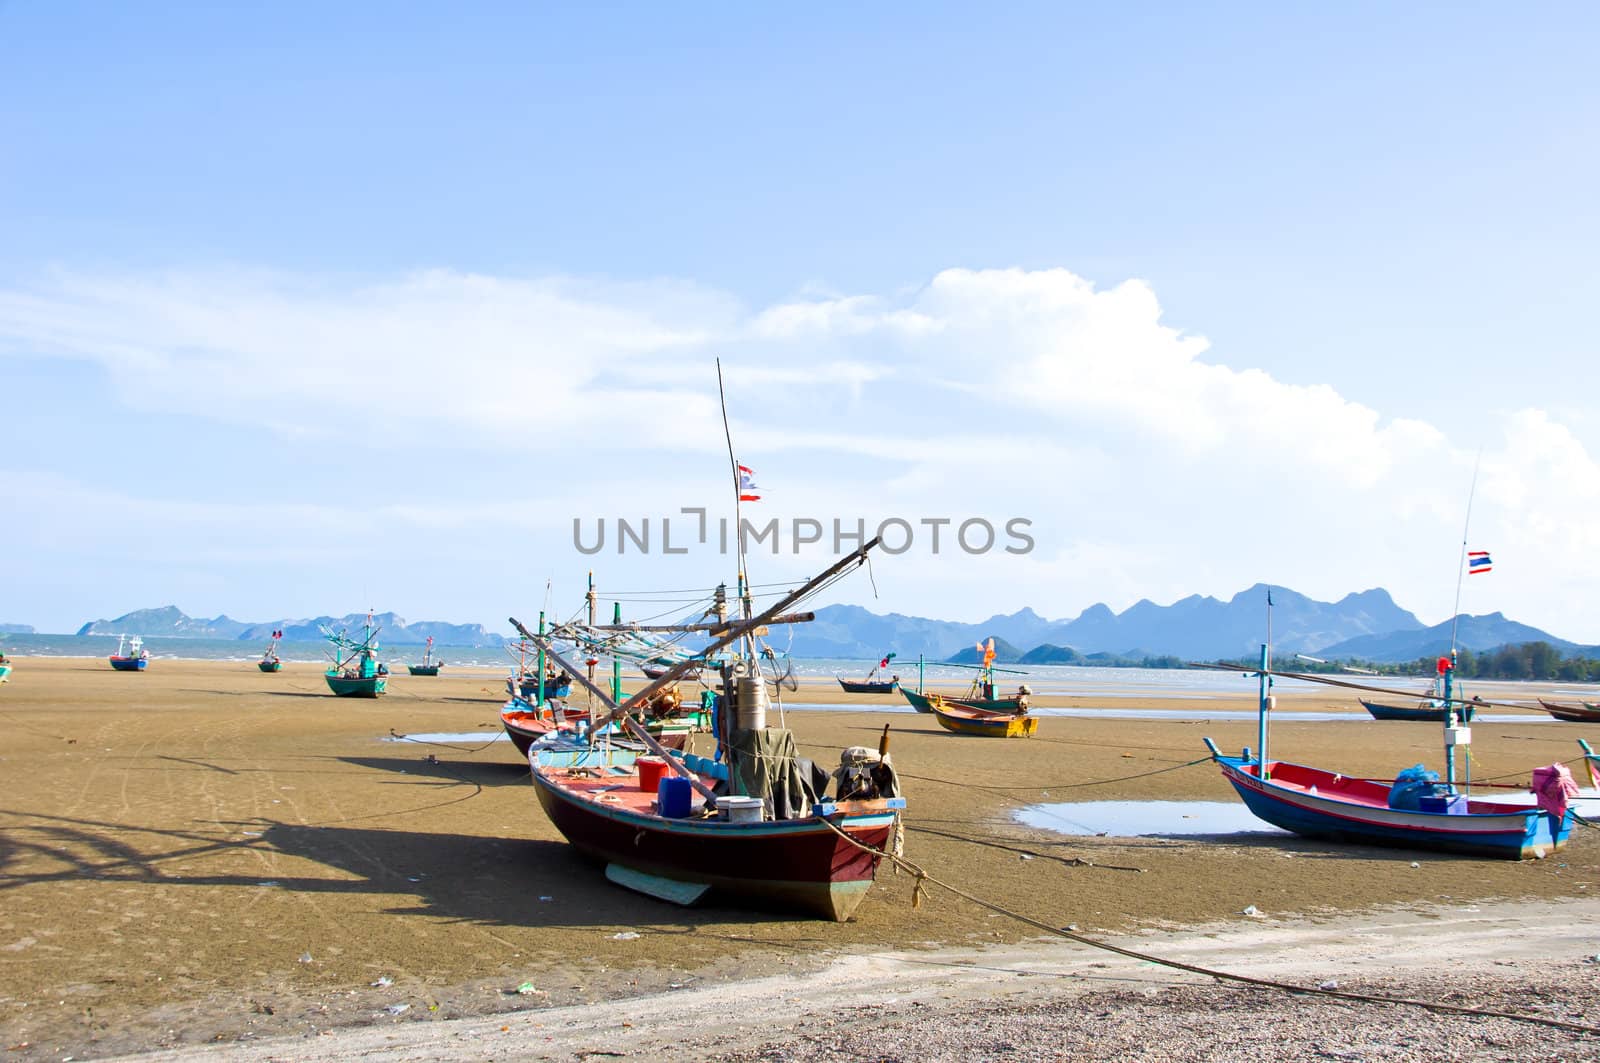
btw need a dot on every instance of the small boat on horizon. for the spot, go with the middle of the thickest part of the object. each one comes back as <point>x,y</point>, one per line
<point>131,656</point>
<point>355,671</point>
<point>269,660</point>
<point>429,666</point>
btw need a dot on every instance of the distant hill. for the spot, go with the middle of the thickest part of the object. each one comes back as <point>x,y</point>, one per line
<point>171,622</point>
<point>16,629</point>
<point>1476,633</point>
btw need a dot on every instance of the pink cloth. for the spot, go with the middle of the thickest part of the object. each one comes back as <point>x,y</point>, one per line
<point>1553,786</point>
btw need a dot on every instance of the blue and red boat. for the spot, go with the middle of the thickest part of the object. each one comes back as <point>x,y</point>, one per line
<point>131,656</point>
<point>1413,811</point>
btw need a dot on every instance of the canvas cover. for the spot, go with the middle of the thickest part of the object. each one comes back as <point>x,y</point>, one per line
<point>765,764</point>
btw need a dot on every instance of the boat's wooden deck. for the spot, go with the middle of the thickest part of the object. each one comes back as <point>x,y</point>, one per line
<point>607,786</point>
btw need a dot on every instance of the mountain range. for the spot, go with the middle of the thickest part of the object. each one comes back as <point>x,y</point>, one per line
<point>1366,626</point>
<point>172,622</point>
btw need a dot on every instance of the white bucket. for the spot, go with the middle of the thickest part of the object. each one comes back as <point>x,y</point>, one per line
<point>741,809</point>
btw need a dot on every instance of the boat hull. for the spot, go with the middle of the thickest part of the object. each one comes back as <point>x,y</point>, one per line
<point>348,687</point>
<point>270,666</point>
<point>1326,805</point>
<point>423,669</point>
<point>1380,711</point>
<point>863,687</point>
<point>5,672</point>
<point>524,727</point>
<point>129,664</point>
<point>1581,713</point>
<point>984,725</point>
<point>800,864</point>
<point>924,702</point>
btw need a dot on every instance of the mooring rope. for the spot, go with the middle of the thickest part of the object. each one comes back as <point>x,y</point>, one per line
<point>923,876</point>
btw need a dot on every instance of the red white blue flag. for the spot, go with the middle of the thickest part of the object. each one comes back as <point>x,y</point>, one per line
<point>747,485</point>
<point>1478,562</point>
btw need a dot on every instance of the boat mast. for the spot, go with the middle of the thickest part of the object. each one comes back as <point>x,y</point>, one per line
<point>738,518</point>
<point>1265,703</point>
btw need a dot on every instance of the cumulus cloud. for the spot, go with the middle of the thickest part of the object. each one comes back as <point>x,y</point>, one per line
<point>1151,466</point>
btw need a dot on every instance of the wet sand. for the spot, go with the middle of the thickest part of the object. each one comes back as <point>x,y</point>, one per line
<point>205,853</point>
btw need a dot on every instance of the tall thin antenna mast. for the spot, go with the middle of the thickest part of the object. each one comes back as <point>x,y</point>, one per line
<point>1461,563</point>
<point>738,513</point>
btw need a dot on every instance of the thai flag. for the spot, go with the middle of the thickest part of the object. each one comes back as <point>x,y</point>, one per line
<point>747,485</point>
<point>1478,562</point>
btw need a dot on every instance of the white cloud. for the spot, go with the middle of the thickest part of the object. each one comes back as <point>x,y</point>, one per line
<point>1150,467</point>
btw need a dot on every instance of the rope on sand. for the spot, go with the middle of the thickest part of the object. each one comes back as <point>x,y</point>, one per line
<point>922,877</point>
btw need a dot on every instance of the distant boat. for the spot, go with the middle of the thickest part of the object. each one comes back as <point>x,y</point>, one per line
<point>980,695</point>
<point>429,666</point>
<point>1423,713</point>
<point>1583,712</point>
<point>961,719</point>
<point>269,660</point>
<point>872,684</point>
<point>355,672</point>
<point>5,668</point>
<point>131,656</point>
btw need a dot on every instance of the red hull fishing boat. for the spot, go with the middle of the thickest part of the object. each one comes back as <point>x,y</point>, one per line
<point>755,824</point>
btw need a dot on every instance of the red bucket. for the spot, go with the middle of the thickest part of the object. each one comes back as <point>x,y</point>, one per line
<point>651,769</point>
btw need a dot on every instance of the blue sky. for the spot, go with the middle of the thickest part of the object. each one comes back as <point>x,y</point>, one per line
<point>304,307</point>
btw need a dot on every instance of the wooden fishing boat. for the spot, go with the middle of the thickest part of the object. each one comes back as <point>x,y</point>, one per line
<point>923,702</point>
<point>5,668</point>
<point>769,836</point>
<point>269,660</point>
<point>1426,712</point>
<point>1582,712</point>
<point>822,863</point>
<point>872,684</point>
<point>1324,804</point>
<point>869,686</point>
<point>131,656</point>
<point>1415,810</point>
<point>429,666</point>
<point>963,720</point>
<point>355,671</point>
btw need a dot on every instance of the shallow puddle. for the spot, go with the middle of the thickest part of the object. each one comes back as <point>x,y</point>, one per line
<point>1145,819</point>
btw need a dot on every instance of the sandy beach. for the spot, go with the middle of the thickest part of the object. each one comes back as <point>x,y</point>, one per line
<point>204,854</point>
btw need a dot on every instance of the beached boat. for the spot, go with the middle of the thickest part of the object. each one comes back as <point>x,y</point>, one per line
<point>924,702</point>
<point>750,825</point>
<point>963,720</point>
<point>269,660</point>
<point>1582,712</point>
<point>872,684</point>
<point>429,666</point>
<point>869,686</point>
<point>1324,804</point>
<point>1427,712</point>
<point>131,656</point>
<point>355,671</point>
<point>1415,810</point>
<point>5,668</point>
<point>980,695</point>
